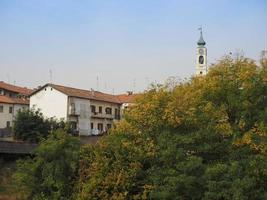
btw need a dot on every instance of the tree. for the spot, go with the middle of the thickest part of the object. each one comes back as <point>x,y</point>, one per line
<point>30,125</point>
<point>51,173</point>
<point>205,138</point>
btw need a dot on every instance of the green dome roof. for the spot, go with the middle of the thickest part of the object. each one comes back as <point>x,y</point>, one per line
<point>201,41</point>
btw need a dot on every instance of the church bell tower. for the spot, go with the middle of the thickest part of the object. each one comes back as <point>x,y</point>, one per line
<point>201,59</point>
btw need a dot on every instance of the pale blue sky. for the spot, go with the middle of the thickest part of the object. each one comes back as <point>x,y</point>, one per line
<point>120,41</point>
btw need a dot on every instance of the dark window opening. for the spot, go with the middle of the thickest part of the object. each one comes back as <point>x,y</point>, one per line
<point>100,109</point>
<point>10,109</point>
<point>109,126</point>
<point>93,109</point>
<point>100,126</point>
<point>201,60</point>
<point>73,125</point>
<point>117,113</point>
<point>92,125</point>
<point>1,109</point>
<point>108,111</point>
<point>8,124</point>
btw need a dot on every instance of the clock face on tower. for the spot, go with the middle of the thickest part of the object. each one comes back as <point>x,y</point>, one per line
<point>201,51</point>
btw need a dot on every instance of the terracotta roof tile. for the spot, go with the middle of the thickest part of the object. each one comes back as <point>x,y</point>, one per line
<point>85,94</point>
<point>91,94</point>
<point>9,100</point>
<point>13,88</point>
<point>127,98</point>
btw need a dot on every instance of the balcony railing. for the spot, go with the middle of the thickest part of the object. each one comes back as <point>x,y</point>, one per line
<point>72,111</point>
<point>102,115</point>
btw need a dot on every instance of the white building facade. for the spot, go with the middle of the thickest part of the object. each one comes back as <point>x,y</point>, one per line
<point>88,112</point>
<point>12,99</point>
<point>9,108</point>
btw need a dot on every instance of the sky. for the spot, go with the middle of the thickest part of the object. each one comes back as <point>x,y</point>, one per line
<point>119,45</point>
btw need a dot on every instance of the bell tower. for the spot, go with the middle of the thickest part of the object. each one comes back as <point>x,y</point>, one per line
<point>201,56</point>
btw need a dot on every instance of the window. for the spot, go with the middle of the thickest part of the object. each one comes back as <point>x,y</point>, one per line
<point>92,109</point>
<point>72,108</point>
<point>92,125</point>
<point>10,109</point>
<point>201,59</point>
<point>201,72</point>
<point>117,113</point>
<point>1,109</point>
<point>73,125</point>
<point>100,126</point>
<point>100,109</point>
<point>8,124</point>
<point>108,111</point>
<point>109,126</point>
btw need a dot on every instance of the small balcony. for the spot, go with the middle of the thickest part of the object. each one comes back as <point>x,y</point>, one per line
<point>73,112</point>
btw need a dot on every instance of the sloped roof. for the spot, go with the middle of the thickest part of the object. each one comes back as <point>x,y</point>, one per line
<point>14,88</point>
<point>9,100</point>
<point>127,98</point>
<point>13,147</point>
<point>85,94</point>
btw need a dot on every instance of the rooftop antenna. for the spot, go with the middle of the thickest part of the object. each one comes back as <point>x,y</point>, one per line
<point>134,83</point>
<point>97,83</point>
<point>8,78</point>
<point>105,86</point>
<point>147,81</point>
<point>50,75</point>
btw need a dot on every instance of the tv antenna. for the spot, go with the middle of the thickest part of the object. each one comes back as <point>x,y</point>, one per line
<point>50,75</point>
<point>97,83</point>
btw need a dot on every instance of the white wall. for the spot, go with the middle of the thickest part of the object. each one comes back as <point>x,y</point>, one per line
<point>5,115</point>
<point>82,107</point>
<point>51,102</point>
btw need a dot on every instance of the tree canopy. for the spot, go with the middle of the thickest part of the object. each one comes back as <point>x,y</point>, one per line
<point>30,125</point>
<point>51,173</point>
<point>205,138</point>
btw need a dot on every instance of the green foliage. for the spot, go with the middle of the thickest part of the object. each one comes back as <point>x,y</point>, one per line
<point>51,173</point>
<point>114,168</point>
<point>30,125</point>
<point>205,138</point>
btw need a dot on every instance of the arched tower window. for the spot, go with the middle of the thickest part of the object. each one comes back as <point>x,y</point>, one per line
<point>201,59</point>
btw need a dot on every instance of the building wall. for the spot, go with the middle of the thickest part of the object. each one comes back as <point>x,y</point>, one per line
<point>103,118</point>
<point>82,110</point>
<point>79,111</point>
<point>5,116</point>
<point>51,102</point>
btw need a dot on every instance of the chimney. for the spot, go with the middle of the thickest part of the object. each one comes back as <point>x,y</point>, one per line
<point>129,93</point>
<point>92,92</point>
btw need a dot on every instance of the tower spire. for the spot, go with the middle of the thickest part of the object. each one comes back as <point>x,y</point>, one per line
<point>201,41</point>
